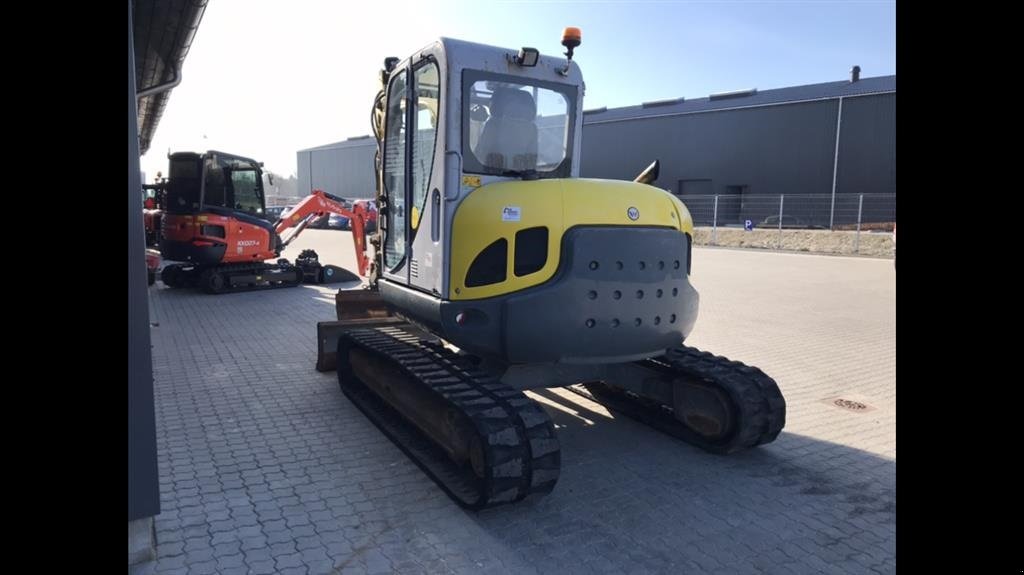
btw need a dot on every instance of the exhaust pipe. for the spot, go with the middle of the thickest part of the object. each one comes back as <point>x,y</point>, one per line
<point>650,175</point>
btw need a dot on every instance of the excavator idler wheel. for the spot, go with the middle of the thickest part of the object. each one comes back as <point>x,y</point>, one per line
<point>477,459</point>
<point>725,406</point>
<point>171,276</point>
<point>705,409</point>
<point>212,282</point>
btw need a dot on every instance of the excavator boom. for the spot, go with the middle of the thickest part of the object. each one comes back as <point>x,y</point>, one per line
<point>317,204</point>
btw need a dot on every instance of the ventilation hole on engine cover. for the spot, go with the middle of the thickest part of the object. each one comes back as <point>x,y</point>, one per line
<point>643,265</point>
<point>637,322</point>
<point>594,265</point>
<point>618,265</point>
<point>615,323</point>
<point>531,250</point>
<point>639,294</point>
<point>212,231</point>
<point>591,323</point>
<point>592,294</point>
<point>616,294</point>
<point>659,293</point>
<point>675,292</point>
<point>672,318</point>
<point>661,265</point>
<point>657,320</point>
<point>490,265</point>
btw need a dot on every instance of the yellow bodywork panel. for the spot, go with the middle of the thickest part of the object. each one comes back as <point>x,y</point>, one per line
<point>501,209</point>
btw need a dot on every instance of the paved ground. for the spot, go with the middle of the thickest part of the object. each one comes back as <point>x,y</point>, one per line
<point>265,467</point>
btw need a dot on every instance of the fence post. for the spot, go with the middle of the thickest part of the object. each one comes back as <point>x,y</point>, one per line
<point>778,245</point>
<point>835,168</point>
<point>860,210</point>
<point>714,224</point>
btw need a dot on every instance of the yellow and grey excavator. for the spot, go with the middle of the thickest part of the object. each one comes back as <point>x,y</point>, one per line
<point>497,269</point>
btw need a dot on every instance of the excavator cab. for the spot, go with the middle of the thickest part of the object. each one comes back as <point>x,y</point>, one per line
<point>215,180</point>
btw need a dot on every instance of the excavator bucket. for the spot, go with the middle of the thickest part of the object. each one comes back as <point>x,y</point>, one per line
<point>313,272</point>
<point>358,308</point>
<point>333,274</point>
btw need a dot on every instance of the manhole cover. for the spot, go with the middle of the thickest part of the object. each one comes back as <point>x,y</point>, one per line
<point>849,404</point>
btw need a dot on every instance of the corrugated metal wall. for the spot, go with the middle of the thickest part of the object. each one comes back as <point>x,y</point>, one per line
<point>867,145</point>
<point>867,154</point>
<point>769,150</point>
<point>345,170</point>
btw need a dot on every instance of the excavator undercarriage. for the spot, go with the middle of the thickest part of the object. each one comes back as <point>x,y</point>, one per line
<point>467,423</point>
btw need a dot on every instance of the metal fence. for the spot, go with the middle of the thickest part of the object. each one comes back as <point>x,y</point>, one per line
<point>281,201</point>
<point>842,212</point>
<point>845,212</point>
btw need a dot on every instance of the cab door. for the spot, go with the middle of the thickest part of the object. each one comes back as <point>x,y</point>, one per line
<point>426,178</point>
<point>412,218</point>
<point>393,220</point>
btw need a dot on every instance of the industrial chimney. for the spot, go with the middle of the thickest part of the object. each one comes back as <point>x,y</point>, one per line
<point>854,74</point>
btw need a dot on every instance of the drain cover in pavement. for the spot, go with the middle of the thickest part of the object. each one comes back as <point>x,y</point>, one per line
<point>849,405</point>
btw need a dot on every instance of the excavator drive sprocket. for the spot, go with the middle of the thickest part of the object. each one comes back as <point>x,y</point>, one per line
<point>483,442</point>
<point>714,403</point>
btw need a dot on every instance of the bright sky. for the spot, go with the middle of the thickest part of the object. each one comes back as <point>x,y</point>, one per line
<point>266,78</point>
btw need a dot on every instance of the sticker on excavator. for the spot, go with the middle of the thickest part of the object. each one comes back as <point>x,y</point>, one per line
<point>511,214</point>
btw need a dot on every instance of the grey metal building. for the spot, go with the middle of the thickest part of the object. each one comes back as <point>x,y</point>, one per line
<point>814,143</point>
<point>824,147</point>
<point>343,168</point>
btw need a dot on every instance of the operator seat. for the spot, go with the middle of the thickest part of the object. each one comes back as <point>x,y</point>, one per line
<point>509,138</point>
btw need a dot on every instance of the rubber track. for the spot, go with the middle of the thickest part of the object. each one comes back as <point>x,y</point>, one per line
<point>521,452</point>
<point>758,406</point>
<point>193,278</point>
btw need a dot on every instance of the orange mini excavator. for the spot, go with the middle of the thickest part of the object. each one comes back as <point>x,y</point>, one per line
<point>213,224</point>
